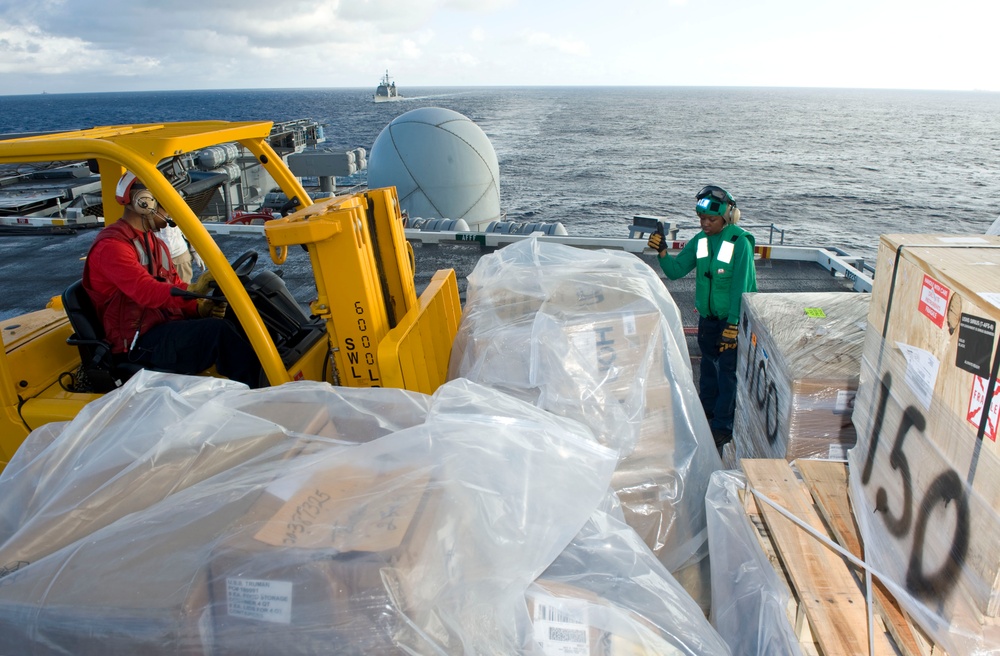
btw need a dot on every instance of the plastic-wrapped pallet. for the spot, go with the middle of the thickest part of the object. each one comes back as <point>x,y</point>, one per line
<point>748,609</point>
<point>286,520</point>
<point>925,475</point>
<point>126,452</point>
<point>596,337</point>
<point>607,595</point>
<point>798,363</point>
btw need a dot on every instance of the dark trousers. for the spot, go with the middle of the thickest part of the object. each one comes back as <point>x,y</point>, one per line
<point>717,387</point>
<point>190,346</point>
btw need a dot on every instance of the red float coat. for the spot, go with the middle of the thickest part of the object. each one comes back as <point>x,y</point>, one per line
<point>130,292</point>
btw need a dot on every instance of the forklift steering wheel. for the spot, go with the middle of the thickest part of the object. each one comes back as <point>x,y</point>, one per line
<point>245,263</point>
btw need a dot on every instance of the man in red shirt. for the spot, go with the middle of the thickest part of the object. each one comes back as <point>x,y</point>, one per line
<point>128,276</point>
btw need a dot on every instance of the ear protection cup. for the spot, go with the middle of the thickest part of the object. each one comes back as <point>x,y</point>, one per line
<point>143,202</point>
<point>734,215</point>
<point>123,191</point>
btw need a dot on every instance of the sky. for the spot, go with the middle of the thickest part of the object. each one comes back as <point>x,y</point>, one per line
<point>69,46</point>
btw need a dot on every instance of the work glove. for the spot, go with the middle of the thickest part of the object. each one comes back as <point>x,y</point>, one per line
<point>728,339</point>
<point>209,308</point>
<point>203,284</point>
<point>655,242</point>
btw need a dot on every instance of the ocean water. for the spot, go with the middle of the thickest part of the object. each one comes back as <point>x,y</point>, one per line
<point>831,167</point>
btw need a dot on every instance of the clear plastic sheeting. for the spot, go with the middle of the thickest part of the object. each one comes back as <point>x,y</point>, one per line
<point>593,335</point>
<point>749,600</point>
<point>798,363</point>
<point>607,594</point>
<point>926,500</point>
<point>305,518</point>
<point>127,451</point>
<point>58,481</point>
<point>925,475</point>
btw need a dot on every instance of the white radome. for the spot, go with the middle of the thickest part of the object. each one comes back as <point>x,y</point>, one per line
<point>442,165</point>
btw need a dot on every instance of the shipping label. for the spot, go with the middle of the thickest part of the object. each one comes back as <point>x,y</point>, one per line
<point>975,344</point>
<point>560,626</point>
<point>256,599</point>
<point>844,405</point>
<point>934,300</point>
<point>921,372</point>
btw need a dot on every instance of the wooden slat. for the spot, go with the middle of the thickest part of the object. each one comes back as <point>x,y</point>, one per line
<point>793,611</point>
<point>823,583</point>
<point>827,481</point>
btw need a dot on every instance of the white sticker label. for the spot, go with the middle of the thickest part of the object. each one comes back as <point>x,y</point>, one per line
<point>586,345</point>
<point>726,252</point>
<point>628,324</point>
<point>921,372</point>
<point>991,297</point>
<point>963,240</point>
<point>845,402</point>
<point>255,599</point>
<point>702,248</point>
<point>837,452</point>
<point>561,627</point>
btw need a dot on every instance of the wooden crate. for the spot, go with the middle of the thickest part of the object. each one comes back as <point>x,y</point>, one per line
<point>929,465</point>
<point>827,611</point>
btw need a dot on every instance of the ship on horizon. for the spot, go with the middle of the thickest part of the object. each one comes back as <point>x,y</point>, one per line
<point>386,90</point>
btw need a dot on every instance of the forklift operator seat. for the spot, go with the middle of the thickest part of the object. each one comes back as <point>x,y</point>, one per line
<point>99,367</point>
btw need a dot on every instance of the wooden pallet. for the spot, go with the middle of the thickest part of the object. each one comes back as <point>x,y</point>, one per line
<point>828,611</point>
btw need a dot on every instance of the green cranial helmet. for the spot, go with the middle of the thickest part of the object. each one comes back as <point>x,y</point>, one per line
<point>714,201</point>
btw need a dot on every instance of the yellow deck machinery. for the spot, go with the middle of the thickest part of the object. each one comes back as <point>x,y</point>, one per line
<point>366,327</point>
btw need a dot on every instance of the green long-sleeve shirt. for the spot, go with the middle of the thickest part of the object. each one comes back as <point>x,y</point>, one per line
<point>725,269</point>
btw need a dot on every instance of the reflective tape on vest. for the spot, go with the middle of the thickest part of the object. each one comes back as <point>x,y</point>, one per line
<point>702,248</point>
<point>726,252</point>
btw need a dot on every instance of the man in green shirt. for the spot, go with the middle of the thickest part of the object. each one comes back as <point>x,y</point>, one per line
<point>722,256</point>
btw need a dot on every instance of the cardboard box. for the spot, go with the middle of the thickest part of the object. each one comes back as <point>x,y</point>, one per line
<point>927,459</point>
<point>568,620</point>
<point>106,495</point>
<point>144,593</point>
<point>314,565</point>
<point>593,346</point>
<point>799,360</point>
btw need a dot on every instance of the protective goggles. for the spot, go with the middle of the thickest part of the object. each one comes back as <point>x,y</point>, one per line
<point>711,207</point>
<point>718,193</point>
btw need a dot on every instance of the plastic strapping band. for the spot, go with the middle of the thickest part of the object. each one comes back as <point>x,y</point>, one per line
<point>990,388</point>
<point>984,420</point>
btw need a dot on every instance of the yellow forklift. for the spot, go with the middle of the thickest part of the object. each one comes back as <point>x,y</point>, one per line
<point>366,327</point>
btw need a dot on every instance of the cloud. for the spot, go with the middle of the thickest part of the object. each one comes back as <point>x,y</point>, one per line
<point>213,41</point>
<point>81,45</point>
<point>26,48</point>
<point>410,49</point>
<point>567,46</point>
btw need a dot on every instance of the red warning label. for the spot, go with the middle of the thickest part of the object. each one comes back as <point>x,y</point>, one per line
<point>934,300</point>
<point>978,401</point>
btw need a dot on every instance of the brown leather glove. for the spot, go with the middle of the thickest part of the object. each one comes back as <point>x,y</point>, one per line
<point>728,339</point>
<point>209,308</point>
<point>656,242</point>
